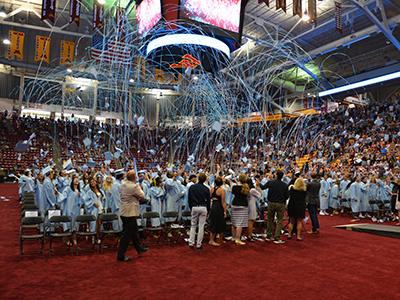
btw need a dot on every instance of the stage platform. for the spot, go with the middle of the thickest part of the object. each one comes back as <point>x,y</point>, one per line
<point>383,230</point>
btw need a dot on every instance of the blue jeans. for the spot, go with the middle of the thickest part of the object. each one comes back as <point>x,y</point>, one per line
<point>312,211</point>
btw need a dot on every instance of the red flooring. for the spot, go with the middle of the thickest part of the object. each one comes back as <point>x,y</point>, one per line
<point>337,264</point>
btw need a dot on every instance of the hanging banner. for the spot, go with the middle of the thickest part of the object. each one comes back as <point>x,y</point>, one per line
<point>48,10</point>
<point>264,1</point>
<point>312,10</point>
<point>338,17</point>
<point>16,48</point>
<point>98,16</point>
<point>67,52</point>
<point>159,75</point>
<point>120,19</point>
<point>281,4</point>
<point>297,8</point>
<point>74,12</point>
<point>42,52</point>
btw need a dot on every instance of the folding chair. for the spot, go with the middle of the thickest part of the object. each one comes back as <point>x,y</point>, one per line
<point>107,228</point>
<point>56,229</point>
<point>83,230</point>
<point>171,226</point>
<point>32,224</point>
<point>148,216</point>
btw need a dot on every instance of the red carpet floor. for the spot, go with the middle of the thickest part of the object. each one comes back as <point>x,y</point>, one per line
<point>337,264</point>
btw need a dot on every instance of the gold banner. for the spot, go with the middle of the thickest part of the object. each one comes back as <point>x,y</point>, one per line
<point>42,52</point>
<point>67,52</point>
<point>16,48</point>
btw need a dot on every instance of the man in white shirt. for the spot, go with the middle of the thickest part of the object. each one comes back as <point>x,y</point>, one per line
<point>131,195</point>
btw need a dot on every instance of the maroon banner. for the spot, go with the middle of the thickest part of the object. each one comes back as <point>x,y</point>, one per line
<point>98,16</point>
<point>312,10</point>
<point>120,19</point>
<point>338,16</point>
<point>281,4</point>
<point>297,8</point>
<point>264,1</point>
<point>48,10</point>
<point>74,11</point>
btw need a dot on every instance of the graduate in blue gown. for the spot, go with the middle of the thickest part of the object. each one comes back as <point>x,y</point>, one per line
<point>72,201</point>
<point>49,191</point>
<point>26,183</point>
<point>39,196</point>
<point>156,195</point>
<point>172,193</point>
<point>334,196</point>
<point>93,200</point>
<point>324,195</point>
<point>344,192</point>
<point>372,191</point>
<point>355,196</point>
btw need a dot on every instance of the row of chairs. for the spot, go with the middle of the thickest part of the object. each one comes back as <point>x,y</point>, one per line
<point>36,227</point>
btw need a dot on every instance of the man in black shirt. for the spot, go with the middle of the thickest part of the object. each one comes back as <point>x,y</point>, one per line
<point>199,204</point>
<point>277,195</point>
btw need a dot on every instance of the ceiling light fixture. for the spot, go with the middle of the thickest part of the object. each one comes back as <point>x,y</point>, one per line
<point>6,42</point>
<point>3,14</point>
<point>69,70</point>
<point>131,80</point>
<point>360,84</point>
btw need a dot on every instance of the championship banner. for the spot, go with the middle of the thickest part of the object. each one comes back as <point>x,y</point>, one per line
<point>48,10</point>
<point>312,10</point>
<point>297,8</point>
<point>16,48</point>
<point>74,12</point>
<point>98,16</point>
<point>281,4</point>
<point>42,52</point>
<point>338,16</point>
<point>120,19</point>
<point>67,52</point>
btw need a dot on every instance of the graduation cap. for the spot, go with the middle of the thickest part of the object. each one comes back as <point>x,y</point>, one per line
<point>336,145</point>
<point>84,168</point>
<point>67,165</point>
<point>217,126</point>
<point>117,153</point>
<point>163,140</point>
<point>21,146</point>
<point>108,155</point>
<point>378,122</point>
<point>70,153</point>
<point>244,159</point>
<point>191,158</point>
<point>91,163</point>
<point>43,153</point>
<point>32,136</point>
<point>46,170</point>
<point>119,171</point>
<point>219,147</point>
<point>72,171</point>
<point>152,151</point>
<point>261,140</point>
<point>140,120</point>
<point>107,162</point>
<point>87,142</point>
<point>244,149</point>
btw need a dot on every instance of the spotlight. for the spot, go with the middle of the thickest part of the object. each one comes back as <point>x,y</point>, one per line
<point>69,70</point>
<point>101,2</point>
<point>3,14</point>
<point>6,42</point>
<point>131,80</point>
<point>305,17</point>
<point>195,78</point>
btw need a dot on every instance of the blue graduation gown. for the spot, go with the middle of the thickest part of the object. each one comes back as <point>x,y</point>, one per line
<point>156,195</point>
<point>324,195</point>
<point>49,195</point>
<point>72,202</point>
<point>355,196</point>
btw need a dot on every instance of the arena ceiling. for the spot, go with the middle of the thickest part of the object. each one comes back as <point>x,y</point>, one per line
<point>369,39</point>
